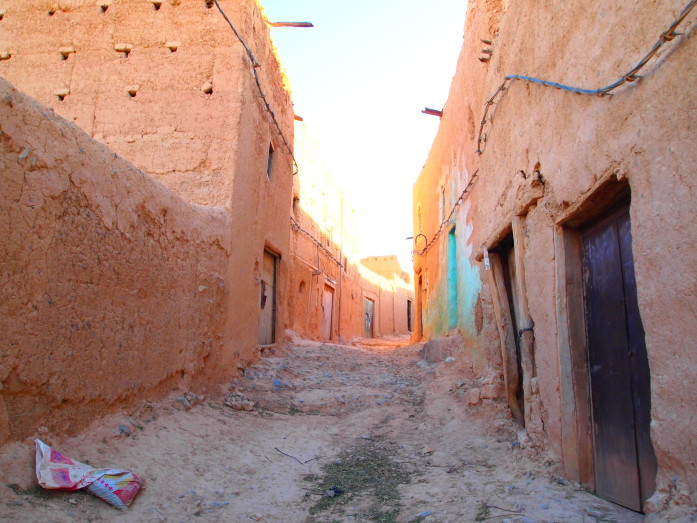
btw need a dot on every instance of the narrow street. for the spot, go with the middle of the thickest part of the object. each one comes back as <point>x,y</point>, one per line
<point>391,436</point>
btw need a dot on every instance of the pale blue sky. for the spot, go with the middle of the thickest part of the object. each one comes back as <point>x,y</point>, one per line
<point>360,79</point>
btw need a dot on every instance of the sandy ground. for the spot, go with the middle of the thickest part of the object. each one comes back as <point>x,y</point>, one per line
<point>394,437</point>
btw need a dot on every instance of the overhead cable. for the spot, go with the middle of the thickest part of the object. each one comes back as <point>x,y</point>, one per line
<point>630,76</point>
<point>445,222</point>
<point>255,65</point>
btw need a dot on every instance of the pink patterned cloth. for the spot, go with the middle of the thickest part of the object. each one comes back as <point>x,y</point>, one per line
<point>57,471</point>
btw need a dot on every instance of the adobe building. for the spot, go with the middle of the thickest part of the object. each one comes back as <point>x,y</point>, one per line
<point>332,294</point>
<point>144,211</point>
<point>556,232</point>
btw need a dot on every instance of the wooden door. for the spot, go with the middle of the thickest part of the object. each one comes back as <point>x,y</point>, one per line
<point>504,271</point>
<point>625,464</point>
<point>267,300</point>
<point>368,315</point>
<point>327,310</point>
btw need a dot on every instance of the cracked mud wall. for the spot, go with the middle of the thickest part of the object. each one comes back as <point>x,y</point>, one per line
<point>112,286</point>
<point>643,135</point>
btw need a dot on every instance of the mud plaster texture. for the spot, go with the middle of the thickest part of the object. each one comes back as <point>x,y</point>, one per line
<point>109,280</point>
<point>642,136</point>
<point>173,104</point>
<point>117,287</point>
<point>315,408</point>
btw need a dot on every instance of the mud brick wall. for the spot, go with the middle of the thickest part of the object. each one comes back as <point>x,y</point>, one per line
<point>111,285</point>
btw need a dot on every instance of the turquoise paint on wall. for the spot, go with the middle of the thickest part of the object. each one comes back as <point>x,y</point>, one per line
<point>452,298</point>
<point>452,280</point>
<point>469,278</point>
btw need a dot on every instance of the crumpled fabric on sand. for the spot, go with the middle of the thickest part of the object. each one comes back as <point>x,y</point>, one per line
<point>54,470</point>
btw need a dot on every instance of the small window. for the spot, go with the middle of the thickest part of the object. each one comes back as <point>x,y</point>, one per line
<point>296,204</point>
<point>442,204</point>
<point>269,161</point>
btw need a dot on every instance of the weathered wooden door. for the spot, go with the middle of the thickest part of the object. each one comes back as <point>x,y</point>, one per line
<point>327,310</point>
<point>625,464</point>
<point>503,270</point>
<point>267,300</point>
<point>368,315</point>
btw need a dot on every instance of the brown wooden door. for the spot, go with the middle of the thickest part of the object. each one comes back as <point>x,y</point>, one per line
<point>327,309</point>
<point>267,300</point>
<point>625,464</point>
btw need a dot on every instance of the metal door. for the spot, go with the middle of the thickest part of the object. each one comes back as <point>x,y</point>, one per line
<point>368,315</point>
<point>327,310</point>
<point>267,300</point>
<point>625,464</point>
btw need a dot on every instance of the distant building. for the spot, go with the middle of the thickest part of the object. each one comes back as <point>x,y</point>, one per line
<point>332,294</point>
<point>556,233</point>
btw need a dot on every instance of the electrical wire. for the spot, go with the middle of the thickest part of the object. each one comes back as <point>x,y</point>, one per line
<point>295,225</point>
<point>255,65</point>
<point>630,76</point>
<point>443,224</point>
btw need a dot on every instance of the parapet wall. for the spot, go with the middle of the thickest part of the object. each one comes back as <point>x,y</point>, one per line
<point>111,287</point>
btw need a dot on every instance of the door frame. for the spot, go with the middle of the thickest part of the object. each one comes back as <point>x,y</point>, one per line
<point>517,348</point>
<point>419,305</point>
<point>331,312</point>
<point>608,195</point>
<point>274,296</point>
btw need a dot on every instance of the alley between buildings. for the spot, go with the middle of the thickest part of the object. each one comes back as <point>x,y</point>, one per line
<point>394,436</point>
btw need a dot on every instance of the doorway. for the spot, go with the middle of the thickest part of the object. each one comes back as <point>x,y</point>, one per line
<point>410,327</point>
<point>508,316</point>
<point>368,317</point>
<point>419,306</point>
<point>327,312</point>
<point>267,300</point>
<point>624,460</point>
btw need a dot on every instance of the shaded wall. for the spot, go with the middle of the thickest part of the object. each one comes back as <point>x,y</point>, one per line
<point>112,286</point>
<point>211,147</point>
<point>550,157</point>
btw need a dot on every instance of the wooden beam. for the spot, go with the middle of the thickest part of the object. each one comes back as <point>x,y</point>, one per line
<point>433,112</point>
<point>290,24</point>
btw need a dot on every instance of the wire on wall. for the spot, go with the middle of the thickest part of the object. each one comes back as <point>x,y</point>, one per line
<point>296,226</point>
<point>445,222</point>
<point>255,65</point>
<point>630,76</point>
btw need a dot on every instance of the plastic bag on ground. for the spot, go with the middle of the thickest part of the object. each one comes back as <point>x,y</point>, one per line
<point>57,471</point>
